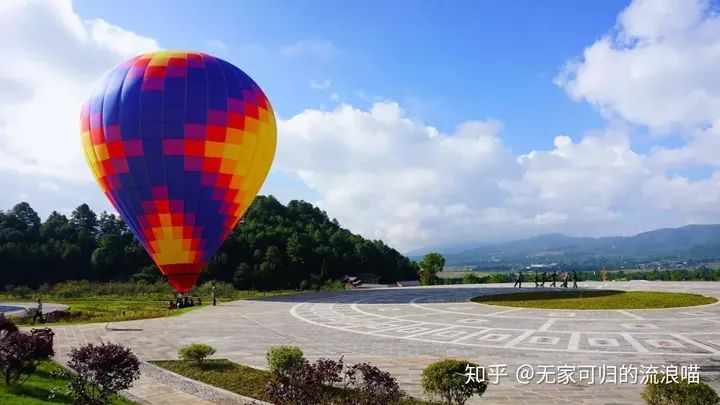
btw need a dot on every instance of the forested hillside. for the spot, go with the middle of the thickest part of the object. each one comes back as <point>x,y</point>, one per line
<point>275,246</point>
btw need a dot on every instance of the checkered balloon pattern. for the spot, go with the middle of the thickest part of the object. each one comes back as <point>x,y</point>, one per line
<point>180,143</point>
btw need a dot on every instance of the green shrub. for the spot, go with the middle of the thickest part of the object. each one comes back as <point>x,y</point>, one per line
<point>679,393</point>
<point>196,352</point>
<point>305,285</point>
<point>333,285</point>
<point>448,379</point>
<point>470,278</point>
<point>285,360</point>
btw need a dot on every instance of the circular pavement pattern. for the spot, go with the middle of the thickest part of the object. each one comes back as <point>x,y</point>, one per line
<point>449,318</point>
<point>402,330</point>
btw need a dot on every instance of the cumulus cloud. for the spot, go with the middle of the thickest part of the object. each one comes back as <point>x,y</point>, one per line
<point>657,68</point>
<point>392,177</point>
<point>48,77</point>
<point>44,78</point>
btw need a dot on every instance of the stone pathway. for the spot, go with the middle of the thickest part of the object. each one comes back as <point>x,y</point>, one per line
<point>401,330</point>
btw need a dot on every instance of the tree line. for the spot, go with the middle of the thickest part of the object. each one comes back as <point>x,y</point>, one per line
<point>276,246</point>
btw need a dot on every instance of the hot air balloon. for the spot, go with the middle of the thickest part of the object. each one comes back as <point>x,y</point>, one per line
<point>180,143</point>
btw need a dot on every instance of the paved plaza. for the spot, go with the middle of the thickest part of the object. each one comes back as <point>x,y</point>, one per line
<point>401,330</point>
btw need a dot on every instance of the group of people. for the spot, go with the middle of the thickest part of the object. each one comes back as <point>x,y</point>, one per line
<point>186,301</point>
<point>183,301</point>
<point>542,278</point>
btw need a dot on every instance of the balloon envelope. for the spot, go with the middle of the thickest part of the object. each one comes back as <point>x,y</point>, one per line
<point>180,143</point>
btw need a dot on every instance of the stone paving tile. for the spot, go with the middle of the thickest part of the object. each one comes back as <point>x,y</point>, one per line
<point>379,329</point>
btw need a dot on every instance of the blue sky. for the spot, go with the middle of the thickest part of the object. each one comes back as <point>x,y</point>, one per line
<point>445,62</point>
<point>419,123</point>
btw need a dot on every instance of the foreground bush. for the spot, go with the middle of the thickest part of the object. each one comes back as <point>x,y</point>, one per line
<point>285,360</point>
<point>679,393</point>
<point>311,384</point>
<point>329,381</point>
<point>20,352</point>
<point>101,371</point>
<point>196,352</point>
<point>372,386</point>
<point>6,326</point>
<point>448,379</point>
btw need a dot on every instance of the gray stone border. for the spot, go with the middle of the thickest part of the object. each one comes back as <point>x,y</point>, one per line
<point>195,387</point>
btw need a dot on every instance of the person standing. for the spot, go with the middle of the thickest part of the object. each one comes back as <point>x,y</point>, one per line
<point>537,279</point>
<point>518,280</point>
<point>564,278</point>
<point>554,278</point>
<point>575,279</point>
<point>38,312</point>
<point>213,294</point>
<point>543,278</point>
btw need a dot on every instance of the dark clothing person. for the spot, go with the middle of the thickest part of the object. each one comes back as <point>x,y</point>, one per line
<point>213,295</point>
<point>518,280</point>
<point>554,279</point>
<point>575,279</point>
<point>537,280</point>
<point>543,277</point>
<point>38,313</point>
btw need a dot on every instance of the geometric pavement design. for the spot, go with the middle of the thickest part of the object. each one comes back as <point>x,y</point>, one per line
<point>450,319</point>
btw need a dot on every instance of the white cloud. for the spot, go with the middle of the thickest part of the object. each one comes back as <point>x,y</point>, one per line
<point>51,71</point>
<point>391,177</point>
<point>658,68</point>
<point>322,85</point>
<point>50,65</point>
<point>318,48</point>
<point>697,200</point>
<point>701,148</point>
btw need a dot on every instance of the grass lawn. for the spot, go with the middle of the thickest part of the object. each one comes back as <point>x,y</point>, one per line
<point>108,310</point>
<point>38,389</point>
<point>596,299</point>
<point>113,302</point>
<point>243,380</point>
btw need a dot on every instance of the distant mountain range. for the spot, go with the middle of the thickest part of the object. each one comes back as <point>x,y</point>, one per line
<point>692,242</point>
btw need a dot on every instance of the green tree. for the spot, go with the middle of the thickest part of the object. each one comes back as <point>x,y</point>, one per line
<point>58,227</point>
<point>430,265</point>
<point>25,220</point>
<point>109,258</point>
<point>85,219</point>
<point>111,224</point>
